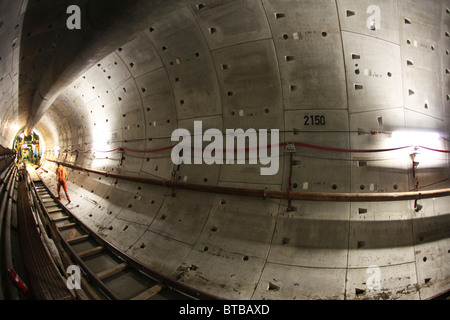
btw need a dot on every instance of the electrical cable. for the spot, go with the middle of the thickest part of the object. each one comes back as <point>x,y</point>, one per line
<point>283,144</point>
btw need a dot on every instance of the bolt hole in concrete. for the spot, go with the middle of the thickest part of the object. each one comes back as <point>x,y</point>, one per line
<point>359,291</point>
<point>289,58</point>
<point>362,210</point>
<point>362,163</point>
<point>245,258</point>
<point>272,287</point>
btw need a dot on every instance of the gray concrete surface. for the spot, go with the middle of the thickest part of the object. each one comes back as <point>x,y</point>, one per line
<point>263,64</point>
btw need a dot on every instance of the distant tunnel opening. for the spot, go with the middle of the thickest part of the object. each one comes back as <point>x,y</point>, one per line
<point>30,148</point>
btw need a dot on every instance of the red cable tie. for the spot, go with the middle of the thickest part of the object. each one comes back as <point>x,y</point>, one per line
<point>18,282</point>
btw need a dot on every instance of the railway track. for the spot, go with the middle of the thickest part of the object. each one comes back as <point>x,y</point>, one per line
<point>108,273</point>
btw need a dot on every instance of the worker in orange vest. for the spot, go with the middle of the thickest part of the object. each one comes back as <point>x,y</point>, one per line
<point>61,176</point>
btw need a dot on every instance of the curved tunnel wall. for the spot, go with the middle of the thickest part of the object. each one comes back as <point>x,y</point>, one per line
<point>268,64</point>
<point>11,16</point>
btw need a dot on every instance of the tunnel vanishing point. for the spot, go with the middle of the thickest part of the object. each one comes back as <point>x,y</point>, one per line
<point>358,89</point>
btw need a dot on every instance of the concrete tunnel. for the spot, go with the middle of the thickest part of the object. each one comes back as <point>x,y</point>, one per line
<point>333,76</point>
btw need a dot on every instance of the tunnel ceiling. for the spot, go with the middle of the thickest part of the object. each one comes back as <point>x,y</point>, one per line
<point>138,70</point>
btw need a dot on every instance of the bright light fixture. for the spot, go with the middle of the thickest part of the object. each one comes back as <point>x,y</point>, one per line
<point>99,144</point>
<point>415,137</point>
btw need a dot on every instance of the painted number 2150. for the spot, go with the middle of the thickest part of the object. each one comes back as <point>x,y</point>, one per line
<point>315,120</point>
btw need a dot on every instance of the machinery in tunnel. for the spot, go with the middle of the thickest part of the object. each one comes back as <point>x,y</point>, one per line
<point>28,149</point>
<point>349,102</point>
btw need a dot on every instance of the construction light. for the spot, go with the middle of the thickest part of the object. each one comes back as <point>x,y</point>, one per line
<point>416,138</point>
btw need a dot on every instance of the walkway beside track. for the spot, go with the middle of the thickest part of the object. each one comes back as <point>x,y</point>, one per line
<point>44,278</point>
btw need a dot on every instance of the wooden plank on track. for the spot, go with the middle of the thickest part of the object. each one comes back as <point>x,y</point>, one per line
<point>150,292</point>
<point>89,252</point>
<point>78,239</point>
<point>67,226</point>
<point>111,271</point>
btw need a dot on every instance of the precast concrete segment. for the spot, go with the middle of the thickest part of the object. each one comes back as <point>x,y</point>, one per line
<point>11,118</point>
<point>274,194</point>
<point>271,65</point>
<point>106,26</point>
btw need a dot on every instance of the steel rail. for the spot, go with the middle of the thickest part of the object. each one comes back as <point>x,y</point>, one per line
<point>105,290</point>
<point>162,280</point>
<point>52,231</point>
<point>276,194</point>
